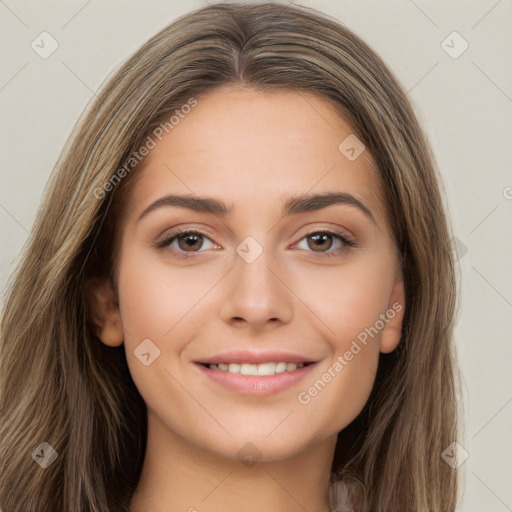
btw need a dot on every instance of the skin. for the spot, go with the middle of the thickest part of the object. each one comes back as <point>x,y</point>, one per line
<point>252,150</point>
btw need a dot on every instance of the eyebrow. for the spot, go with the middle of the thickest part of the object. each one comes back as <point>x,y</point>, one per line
<point>293,205</point>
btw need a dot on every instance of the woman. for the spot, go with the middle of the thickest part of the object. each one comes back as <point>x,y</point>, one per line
<point>176,337</point>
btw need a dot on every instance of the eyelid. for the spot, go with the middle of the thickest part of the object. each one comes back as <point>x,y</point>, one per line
<point>335,231</point>
<point>165,241</point>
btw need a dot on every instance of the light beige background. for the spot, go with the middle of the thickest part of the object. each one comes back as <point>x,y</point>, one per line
<point>465,104</point>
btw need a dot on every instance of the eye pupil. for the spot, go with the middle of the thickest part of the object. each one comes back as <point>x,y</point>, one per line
<point>189,239</point>
<point>319,238</point>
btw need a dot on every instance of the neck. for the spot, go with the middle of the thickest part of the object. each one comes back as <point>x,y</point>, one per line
<point>178,476</point>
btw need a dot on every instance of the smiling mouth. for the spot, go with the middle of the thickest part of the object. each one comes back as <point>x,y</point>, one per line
<point>262,369</point>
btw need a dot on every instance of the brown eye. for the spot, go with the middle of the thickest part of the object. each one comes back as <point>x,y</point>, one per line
<point>190,241</point>
<point>320,241</point>
<point>326,243</point>
<point>186,242</point>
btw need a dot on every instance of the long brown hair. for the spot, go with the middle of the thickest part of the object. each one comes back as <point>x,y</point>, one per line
<point>60,385</point>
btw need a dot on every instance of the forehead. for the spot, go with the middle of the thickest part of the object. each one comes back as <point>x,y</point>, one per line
<point>243,145</point>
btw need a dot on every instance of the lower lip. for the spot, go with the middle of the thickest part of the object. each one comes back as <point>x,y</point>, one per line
<point>254,385</point>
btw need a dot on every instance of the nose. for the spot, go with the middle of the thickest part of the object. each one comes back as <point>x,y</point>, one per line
<point>257,295</point>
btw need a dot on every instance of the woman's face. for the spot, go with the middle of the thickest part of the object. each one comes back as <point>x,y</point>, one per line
<point>290,273</point>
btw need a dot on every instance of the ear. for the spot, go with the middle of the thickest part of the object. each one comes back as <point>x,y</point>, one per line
<point>392,331</point>
<point>104,312</point>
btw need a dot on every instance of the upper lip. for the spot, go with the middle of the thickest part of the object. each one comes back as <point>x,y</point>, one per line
<point>256,357</point>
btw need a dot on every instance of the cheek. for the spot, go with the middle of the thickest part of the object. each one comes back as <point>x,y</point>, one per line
<point>349,299</point>
<point>339,392</point>
<point>165,306</point>
<point>155,299</point>
<point>347,303</point>
<point>342,384</point>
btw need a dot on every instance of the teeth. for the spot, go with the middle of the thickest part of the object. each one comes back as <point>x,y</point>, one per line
<point>249,369</point>
<point>257,369</point>
<point>280,367</point>
<point>267,369</point>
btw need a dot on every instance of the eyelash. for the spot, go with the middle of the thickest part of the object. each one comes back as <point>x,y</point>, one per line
<point>162,244</point>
